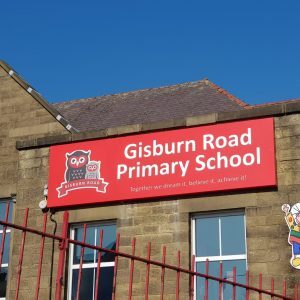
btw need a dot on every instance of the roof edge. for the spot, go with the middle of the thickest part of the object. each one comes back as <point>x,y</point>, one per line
<point>280,109</point>
<point>276,102</point>
<point>187,83</point>
<point>227,94</point>
<point>41,100</point>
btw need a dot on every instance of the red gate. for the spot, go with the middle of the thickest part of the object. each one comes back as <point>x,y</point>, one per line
<point>63,242</point>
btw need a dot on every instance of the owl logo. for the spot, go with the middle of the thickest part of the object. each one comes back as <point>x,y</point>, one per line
<point>93,170</point>
<point>81,173</point>
<point>76,163</point>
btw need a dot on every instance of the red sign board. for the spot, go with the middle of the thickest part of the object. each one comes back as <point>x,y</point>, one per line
<point>219,157</point>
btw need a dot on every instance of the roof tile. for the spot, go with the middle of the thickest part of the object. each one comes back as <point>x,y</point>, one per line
<point>149,105</point>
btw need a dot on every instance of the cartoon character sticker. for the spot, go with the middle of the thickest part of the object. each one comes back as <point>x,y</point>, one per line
<point>81,173</point>
<point>292,218</point>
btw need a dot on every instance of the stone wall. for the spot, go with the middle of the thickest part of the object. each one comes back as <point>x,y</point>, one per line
<point>267,231</point>
<point>22,117</point>
<point>32,176</point>
<point>167,222</point>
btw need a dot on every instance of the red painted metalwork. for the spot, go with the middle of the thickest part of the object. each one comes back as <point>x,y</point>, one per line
<point>4,234</point>
<point>178,276</point>
<point>234,281</point>
<point>206,279</point>
<point>21,253</point>
<point>296,292</point>
<point>98,265</point>
<point>147,271</point>
<point>163,269</point>
<point>272,287</point>
<point>81,262</point>
<point>260,285</point>
<point>41,259</point>
<point>63,245</point>
<point>115,268</point>
<point>131,269</point>
<point>192,278</point>
<point>284,288</point>
<point>247,284</point>
<point>220,283</point>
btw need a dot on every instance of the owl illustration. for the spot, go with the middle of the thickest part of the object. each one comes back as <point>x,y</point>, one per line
<point>76,165</point>
<point>93,170</point>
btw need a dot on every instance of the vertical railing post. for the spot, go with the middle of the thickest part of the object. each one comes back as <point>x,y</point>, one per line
<point>131,269</point>
<point>192,278</point>
<point>63,244</point>
<point>147,272</point>
<point>162,289</point>
<point>81,263</point>
<point>234,282</point>
<point>21,254</point>
<point>272,287</point>
<point>98,272</point>
<point>206,279</point>
<point>178,276</point>
<point>247,283</point>
<point>220,282</point>
<point>296,292</point>
<point>4,234</point>
<point>41,259</point>
<point>115,268</point>
<point>284,288</point>
<point>260,286</point>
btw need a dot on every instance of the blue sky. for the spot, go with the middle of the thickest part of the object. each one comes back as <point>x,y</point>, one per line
<point>78,49</point>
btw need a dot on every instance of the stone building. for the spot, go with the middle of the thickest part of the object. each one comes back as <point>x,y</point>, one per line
<point>242,224</point>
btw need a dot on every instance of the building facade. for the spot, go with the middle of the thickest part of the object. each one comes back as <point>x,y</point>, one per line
<point>241,222</point>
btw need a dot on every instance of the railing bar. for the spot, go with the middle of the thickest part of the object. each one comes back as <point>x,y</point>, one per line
<point>220,282</point>
<point>234,286</point>
<point>99,253</point>
<point>141,259</point>
<point>21,254</point>
<point>284,288</point>
<point>41,259</point>
<point>81,262</point>
<point>272,287</point>
<point>247,284</point>
<point>192,278</point>
<point>63,245</point>
<point>147,272</point>
<point>163,273</point>
<point>260,286</point>
<point>131,269</point>
<point>4,234</point>
<point>178,277</point>
<point>296,292</point>
<point>206,279</point>
<point>116,268</point>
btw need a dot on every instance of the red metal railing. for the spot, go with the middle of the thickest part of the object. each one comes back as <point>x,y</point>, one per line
<point>64,241</point>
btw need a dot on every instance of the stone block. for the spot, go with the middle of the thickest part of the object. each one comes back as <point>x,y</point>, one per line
<point>123,129</point>
<point>200,120</point>
<point>163,125</point>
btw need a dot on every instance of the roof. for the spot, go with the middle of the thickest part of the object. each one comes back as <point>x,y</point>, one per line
<point>149,105</point>
<point>277,109</point>
<point>168,103</point>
